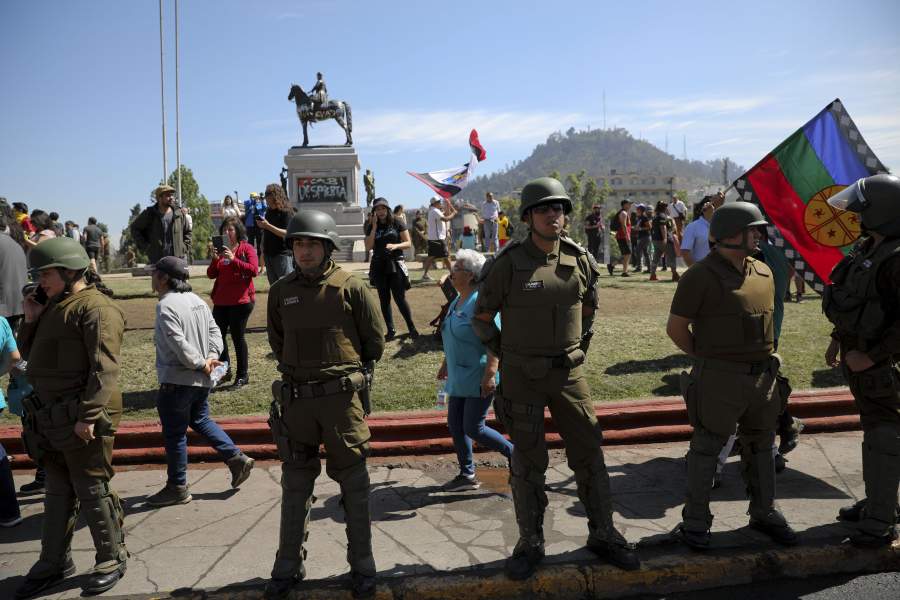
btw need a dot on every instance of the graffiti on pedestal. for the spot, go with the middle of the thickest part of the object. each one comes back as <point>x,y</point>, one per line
<point>322,189</point>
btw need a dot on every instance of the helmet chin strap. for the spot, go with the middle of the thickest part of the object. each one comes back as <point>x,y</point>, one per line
<point>546,238</point>
<point>69,281</point>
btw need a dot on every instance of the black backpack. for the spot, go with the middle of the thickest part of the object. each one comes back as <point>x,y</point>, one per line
<point>614,223</point>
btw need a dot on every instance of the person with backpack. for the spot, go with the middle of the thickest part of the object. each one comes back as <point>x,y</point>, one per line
<point>620,225</point>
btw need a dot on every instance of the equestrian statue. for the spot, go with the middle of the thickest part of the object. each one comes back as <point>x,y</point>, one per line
<point>316,106</point>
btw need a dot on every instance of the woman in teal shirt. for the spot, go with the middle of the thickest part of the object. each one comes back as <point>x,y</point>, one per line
<point>471,373</point>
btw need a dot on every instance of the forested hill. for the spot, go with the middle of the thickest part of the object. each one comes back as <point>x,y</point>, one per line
<point>596,152</point>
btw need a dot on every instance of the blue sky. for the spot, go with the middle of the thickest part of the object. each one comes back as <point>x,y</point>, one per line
<point>80,107</point>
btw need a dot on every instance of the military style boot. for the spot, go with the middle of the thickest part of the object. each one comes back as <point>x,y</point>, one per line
<point>881,472</point>
<point>530,501</point>
<point>105,518</point>
<point>604,540</point>
<point>853,513</point>
<point>293,532</point>
<point>355,500</point>
<point>758,471</point>
<point>702,461</point>
<point>55,562</point>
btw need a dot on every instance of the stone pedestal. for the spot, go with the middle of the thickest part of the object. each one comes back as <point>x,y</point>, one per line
<point>326,178</point>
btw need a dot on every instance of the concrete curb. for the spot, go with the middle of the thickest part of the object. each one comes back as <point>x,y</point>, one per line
<point>629,422</point>
<point>663,574</point>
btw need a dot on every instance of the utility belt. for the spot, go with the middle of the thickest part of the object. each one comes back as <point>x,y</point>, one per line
<point>284,392</point>
<point>50,426</point>
<point>733,366</point>
<point>569,360</point>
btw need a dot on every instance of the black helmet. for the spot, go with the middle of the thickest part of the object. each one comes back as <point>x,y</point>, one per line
<point>876,199</point>
<point>313,224</point>
<point>731,219</point>
<point>544,190</point>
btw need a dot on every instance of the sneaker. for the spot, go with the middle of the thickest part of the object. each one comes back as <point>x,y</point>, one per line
<point>461,483</point>
<point>653,277</point>
<point>610,268</point>
<point>626,274</point>
<point>32,488</point>
<point>425,277</point>
<point>414,333</point>
<point>170,495</point>
<point>391,334</point>
<point>241,382</point>
<point>240,466</point>
<point>10,521</point>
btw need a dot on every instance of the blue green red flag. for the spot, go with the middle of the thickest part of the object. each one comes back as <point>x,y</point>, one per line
<point>793,182</point>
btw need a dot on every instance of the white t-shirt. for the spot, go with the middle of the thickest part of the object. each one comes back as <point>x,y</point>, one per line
<point>678,209</point>
<point>490,209</point>
<point>437,227</point>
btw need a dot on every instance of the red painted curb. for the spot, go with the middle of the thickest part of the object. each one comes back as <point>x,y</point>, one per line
<point>629,422</point>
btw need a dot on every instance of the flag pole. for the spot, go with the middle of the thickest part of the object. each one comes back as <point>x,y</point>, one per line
<point>162,94</point>
<point>177,114</point>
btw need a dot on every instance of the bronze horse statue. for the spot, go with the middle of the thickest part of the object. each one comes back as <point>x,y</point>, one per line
<point>310,112</point>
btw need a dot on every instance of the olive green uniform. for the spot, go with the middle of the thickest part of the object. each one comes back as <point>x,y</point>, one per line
<point>734,380</point>
<point>863,303</point>
<point>322,331</point>
<point>73,351</point>
<point>540,298</point>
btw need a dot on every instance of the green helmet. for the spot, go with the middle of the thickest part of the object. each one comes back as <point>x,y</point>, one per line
<point>731,219</point>
<point>313,224</point>
<point>61,252</point>
<point>543,190</point>
<point>876,199</point>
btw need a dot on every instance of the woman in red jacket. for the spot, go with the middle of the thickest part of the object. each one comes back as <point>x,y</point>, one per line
<point>234,267</point>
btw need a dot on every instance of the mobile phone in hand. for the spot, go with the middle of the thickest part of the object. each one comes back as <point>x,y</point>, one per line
<point>217,243</point>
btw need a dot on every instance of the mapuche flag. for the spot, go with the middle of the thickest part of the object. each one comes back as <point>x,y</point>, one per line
<point>792,184</point>
<point>449,182</point>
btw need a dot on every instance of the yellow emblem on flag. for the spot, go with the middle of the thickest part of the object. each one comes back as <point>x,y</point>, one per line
<point>828,225</point>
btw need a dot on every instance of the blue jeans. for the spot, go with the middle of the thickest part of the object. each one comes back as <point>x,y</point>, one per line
<point>277,266</point>
<point>9,506</point>
<point>180,406</point>
<point>465,417</point>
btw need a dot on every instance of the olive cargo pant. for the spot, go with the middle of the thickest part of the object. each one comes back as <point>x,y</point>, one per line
<point>720,395</point>
<point>526,390</point>
<point>80,477</point>
<point>299,427</point>
<point>877,395</point>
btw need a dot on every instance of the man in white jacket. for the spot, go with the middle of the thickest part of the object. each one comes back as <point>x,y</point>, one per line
<point>188,343</point>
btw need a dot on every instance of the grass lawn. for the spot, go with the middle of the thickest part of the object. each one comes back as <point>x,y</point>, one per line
<point>630,357</point>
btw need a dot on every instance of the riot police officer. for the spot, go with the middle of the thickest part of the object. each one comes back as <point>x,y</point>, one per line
<point>722,316</point>
<point>326,332</point>
<point>863,303</point>
<point>72,341</point>
<point>545,289</point>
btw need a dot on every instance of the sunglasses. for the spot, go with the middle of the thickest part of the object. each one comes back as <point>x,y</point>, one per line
<point>543,209</point>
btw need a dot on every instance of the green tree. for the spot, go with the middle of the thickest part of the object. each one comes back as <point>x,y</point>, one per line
<point>126,241</point>
<point>198,206</point>
<point>555,175</point>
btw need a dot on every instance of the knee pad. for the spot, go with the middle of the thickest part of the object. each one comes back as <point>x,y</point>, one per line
<point>707,443</point>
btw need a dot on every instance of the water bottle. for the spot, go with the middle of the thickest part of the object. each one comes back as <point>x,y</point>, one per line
<point>218,373</point>
<point>441,400</point>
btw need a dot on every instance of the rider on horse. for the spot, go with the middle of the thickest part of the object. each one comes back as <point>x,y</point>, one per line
<point>319,92</point>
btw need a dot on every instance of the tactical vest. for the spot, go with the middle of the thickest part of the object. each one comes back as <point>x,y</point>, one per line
<point>542,312</point>
<point>319,330</point>
<point>58,359</point>
<point>851,301</point>
<point>738,323</point>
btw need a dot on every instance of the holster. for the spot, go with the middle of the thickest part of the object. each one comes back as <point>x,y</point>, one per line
<point>279,430</point>
<point>689,392</point>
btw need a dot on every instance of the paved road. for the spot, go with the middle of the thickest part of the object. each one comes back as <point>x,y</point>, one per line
<point>225,537</point>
